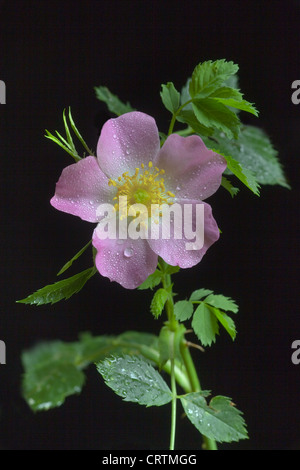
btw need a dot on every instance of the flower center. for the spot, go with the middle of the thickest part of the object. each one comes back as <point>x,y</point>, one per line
<point>146,186</point>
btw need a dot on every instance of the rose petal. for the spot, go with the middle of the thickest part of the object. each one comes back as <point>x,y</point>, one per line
<point>81,188</point>
<point>126,142</point>
<point>128,262</point>
<point>191,170</point>
<point>174,251</point>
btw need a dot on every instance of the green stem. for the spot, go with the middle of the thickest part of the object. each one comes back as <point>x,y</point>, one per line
<point>173,120</point>
<point>185,132</point>
<point>190,367</point>
<point>208,444</point>
<point>174,407</point>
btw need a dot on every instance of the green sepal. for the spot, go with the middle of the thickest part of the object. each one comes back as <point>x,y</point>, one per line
<point>152,280</point>
<point>67,143</point>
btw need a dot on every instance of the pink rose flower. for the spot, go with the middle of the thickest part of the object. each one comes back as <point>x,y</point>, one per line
<point>131,163</point>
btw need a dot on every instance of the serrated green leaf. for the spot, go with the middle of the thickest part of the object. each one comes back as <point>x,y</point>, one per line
<point>170,97</point>
<point>75,257</point>
<point>219,420</point>
<point>245,175</point>
<point>50,375</point>
<point>205,325</point>
<point>152,281</point>
<point>57,383</point>
<point>200,293</point>
<point>59,290</point>
<point>49,364</point>
<point>225,183</point>
<point>158,302</point>
<point>225,321</point>
<point>135,380</point>
<point>183,310</point>
<point>222,302</point>
<point>211,113</point>
<point>188,117</point>
<point>227,92</point>
<point>242,105</point>
<point>114,104</point>
<point>254,151</point>
<point>208,76</point>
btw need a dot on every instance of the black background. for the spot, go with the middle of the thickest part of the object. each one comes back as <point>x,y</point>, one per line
<point>52,55</point>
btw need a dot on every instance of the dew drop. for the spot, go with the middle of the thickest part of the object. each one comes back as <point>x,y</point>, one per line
<point>128,252</point>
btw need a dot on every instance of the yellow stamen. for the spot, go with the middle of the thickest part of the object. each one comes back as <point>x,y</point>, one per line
<point>145,186</point>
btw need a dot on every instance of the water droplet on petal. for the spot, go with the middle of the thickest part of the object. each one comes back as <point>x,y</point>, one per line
<point>128,252</point>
